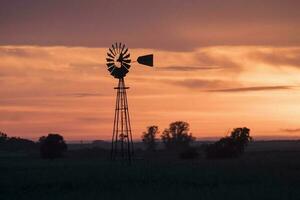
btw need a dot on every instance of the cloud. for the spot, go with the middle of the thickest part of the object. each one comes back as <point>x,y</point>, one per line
<point>296,130</point>
<point>218,58</point>
<point>223,86</point>
<point>198,83</point>
<point>278,57</point>
<point>253,89</point>
<point>87,67</point>
<point>80,95</point>
<point>180,25</point>
<point>187,68</point>
<point>95,119</point>
<point>11,51</point>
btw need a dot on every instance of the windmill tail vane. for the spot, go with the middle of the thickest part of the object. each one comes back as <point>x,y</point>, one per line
<point>118,64</point>
<point>146,60</point>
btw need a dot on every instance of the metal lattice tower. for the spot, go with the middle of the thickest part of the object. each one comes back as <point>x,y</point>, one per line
<point>122,144</point>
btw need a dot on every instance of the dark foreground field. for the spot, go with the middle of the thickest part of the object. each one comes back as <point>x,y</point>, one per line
<point>257,175</point>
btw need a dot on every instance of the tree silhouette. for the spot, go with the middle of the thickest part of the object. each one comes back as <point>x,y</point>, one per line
<point>231,146</point>
<point>3,137</point>
<point>177,136</point>
<point>52,146</point>
<point>241,136</point>
<point>15,143</point>
<point>149,137</point>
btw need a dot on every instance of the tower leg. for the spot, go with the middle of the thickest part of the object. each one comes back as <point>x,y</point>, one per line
<point>122,143</point>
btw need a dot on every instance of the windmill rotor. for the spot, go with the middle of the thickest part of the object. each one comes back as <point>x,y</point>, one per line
<point>118,60</point>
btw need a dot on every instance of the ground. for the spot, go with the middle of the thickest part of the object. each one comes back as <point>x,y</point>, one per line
<point>256,175</point>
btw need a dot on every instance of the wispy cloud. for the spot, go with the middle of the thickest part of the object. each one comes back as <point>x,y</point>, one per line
<point>95,119</point>
<point>24,52</point>
<point>278,57</point>
<point>198,83</point>
<point>296,130</point>
<point>218,59</point>
<point>80,95</point>
<point>187,68</point>
<point>253,89</point>
<point>223,86</point>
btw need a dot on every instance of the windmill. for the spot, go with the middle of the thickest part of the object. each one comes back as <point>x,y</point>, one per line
<point>118,64</point>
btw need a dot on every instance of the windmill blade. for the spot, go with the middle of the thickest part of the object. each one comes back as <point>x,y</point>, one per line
<point>126,65</point>
<point>127,61</point>
<point>146,60</point>
<point>114,49</point>
<point>109,60</point>
<point>110,69</point>
<point>127,56</point>
<point>123,70</point>
<point>120,45</point>
<point>113,71</point>
<point>123,48</point>
<point>125,51</point>
<point>109,65</point>
<point>117,49</point>
<point>110,55</point>
<point>112,52</point>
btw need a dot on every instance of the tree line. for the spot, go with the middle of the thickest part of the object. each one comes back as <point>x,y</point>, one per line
<point>178,138</point>
<point>50,146</point>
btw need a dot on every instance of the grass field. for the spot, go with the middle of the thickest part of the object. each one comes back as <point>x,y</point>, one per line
<point>257,175</point>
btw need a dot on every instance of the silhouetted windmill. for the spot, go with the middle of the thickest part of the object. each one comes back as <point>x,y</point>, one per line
<point>118,64</point>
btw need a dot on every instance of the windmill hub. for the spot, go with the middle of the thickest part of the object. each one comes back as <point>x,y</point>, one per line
<point>118,64</point>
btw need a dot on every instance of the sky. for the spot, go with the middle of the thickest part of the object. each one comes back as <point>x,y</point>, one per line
<point>217,65</point>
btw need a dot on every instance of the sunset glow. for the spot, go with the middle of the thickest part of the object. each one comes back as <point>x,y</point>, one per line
<point>215,76</point>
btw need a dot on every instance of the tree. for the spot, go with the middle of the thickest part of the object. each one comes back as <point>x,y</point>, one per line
<point>149,137</point>
<point>230,146</point>
<point>241,136</point>
<point>177,136</point>
<point>52,146</point>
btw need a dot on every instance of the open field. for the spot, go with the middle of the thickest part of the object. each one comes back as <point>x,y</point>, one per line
<point>256,175</point>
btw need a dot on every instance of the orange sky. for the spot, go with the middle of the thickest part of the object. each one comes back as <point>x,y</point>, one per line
<point>218,65</point>
<point>69,91</point>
